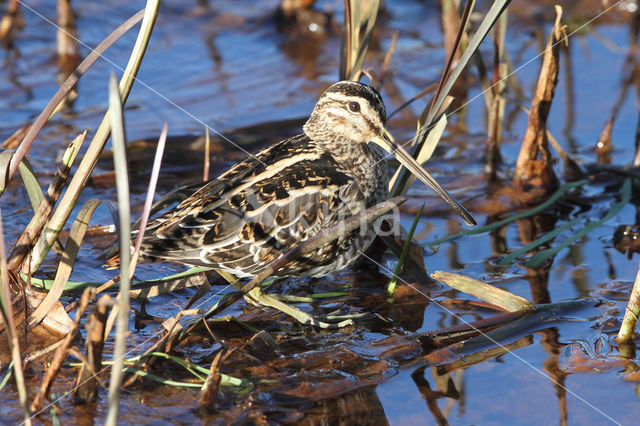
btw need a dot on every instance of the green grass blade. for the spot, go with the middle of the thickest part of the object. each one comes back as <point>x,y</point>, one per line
<point>46,284</point>
<point>546,237</point>
<point>490,227</point>
<point>405,249</point>
<point>488,22</point>
<point>7,376</point>
<point>225,380</point>
<point>161,379</point>
<point>122,186</point>
<point>539,258</point>
<point>31,184</point>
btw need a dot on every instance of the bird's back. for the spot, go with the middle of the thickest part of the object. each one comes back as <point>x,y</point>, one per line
<point>260,209</point>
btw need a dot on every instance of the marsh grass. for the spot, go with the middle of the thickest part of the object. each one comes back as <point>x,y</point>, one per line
<point>534,167</point>
<point>359,23</point>
<point>122,302</point>
<point>40,236</point>
<point>449,76</point>
<point>8,321</point>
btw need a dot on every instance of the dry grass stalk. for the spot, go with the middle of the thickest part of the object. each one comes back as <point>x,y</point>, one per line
<point>173,330</point>
<point>207,155</point>
<point>61,353</point>
<point>496,102</point>
<point>64,89</point>
<point>87,389</point>
<point>423,92</point>
<point>210,392</point>
<point>12,19</point>
<point>360,18</point>
<point>67,44</point>
<point>12,335</point>
<point>485,292</point>
<point>80,178</point>
<point>534,166</point>
<point>65,266</point>
<point>39,219</point>
<point>14,140</point>
<point>451,23</point>
<point>630,320</point>
<point>148,202</point>
<point>387,57</point>
<point>452,71</point>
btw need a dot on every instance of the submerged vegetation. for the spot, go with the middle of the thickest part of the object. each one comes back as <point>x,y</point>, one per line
<point>275,362</point>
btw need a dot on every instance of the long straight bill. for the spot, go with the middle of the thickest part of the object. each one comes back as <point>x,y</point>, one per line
<point>412,165</point>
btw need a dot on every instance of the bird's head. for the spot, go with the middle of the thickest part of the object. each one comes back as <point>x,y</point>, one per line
<point>352,112</point>
<point>348,111</point>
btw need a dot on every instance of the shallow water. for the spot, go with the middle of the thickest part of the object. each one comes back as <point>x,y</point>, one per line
<point>231,65</point>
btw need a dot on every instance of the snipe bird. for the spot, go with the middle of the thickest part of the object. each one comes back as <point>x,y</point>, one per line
<point>270,202</point>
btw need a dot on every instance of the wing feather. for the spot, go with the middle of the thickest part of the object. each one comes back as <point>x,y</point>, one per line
<point>254,213</point>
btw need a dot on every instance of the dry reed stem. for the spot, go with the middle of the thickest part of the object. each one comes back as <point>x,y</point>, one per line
<point>39,219</point>
<point>64,89</point>
<point>61,353</point>
<point>67,42</point>
<point>483,291</point>
<point>16,137</point>
<point>531,171</point>
<point>630,320</point>
<point>630,75</point>
<point>496,102</point>
<point>360,18</point>
<point>148,202</point>
<point>388,56</point>
<point>10,20</point>
<point>87,384</point>
<point>453,56</point>
<point>451,23</point>
<point>80,178</point>
<point>207,154</point>
<point>636,158</point>
<point>210,391</point>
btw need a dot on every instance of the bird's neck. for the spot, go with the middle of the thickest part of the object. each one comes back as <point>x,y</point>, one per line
<point>364,162</point>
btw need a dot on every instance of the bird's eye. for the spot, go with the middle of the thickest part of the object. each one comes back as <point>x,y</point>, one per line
<point>354,107</point>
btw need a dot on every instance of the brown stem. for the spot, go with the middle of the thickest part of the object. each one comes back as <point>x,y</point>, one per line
<point>534,166</point>
<point>87,390</point>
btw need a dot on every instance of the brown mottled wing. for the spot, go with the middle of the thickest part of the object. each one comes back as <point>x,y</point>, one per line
<point>254,213</point>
